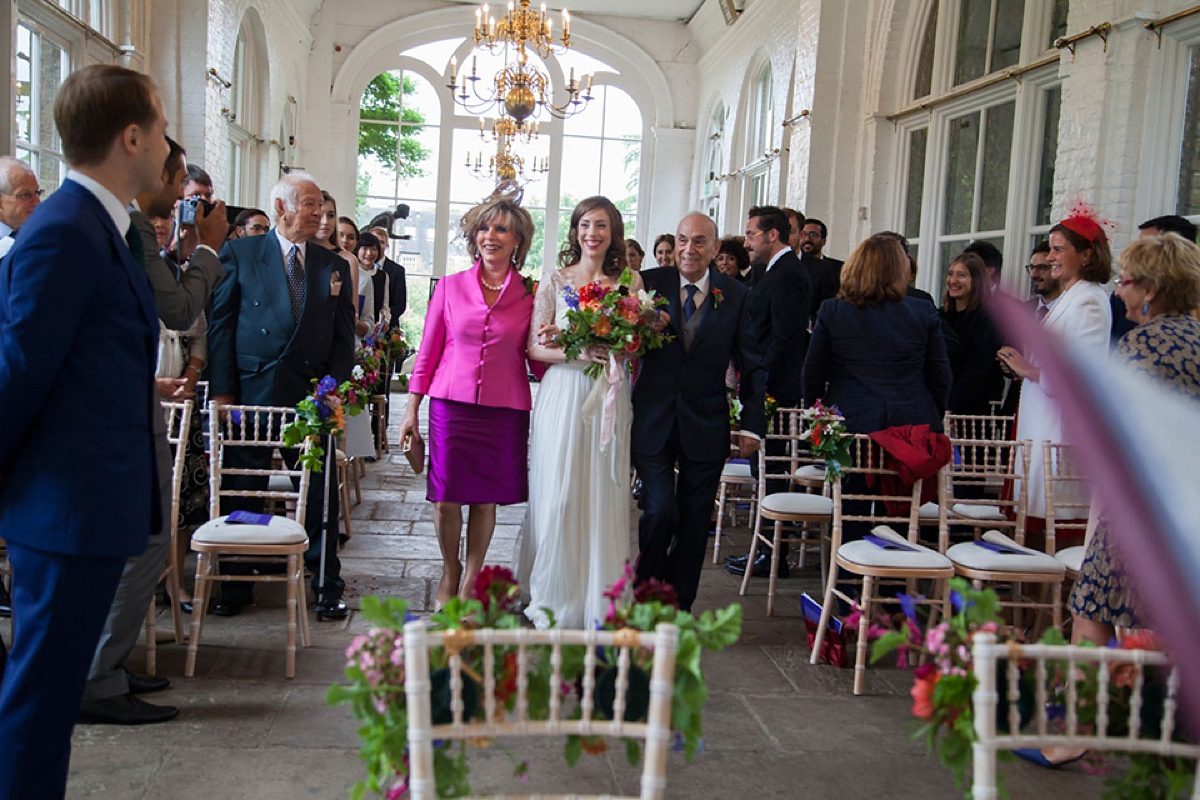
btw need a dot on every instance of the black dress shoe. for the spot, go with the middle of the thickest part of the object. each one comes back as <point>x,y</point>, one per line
<point>228,609</point>
<point>761,568</point>
<point>185,606</point>
<point>124,709</point>
<point>737,561</point>
<point>331,610</point>
<point>144,684</point>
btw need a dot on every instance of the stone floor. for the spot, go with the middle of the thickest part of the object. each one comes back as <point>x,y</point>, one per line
<point>775,726</point>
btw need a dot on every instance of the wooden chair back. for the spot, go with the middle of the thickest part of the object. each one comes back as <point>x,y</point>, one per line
<point>1068,493</point>
<point>985,472</point>
<point>968,426</point>
<point>252,426</point>
<point>1048,663</point>
<point>655,731</point>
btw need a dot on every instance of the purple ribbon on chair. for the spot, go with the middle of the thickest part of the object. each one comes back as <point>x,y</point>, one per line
<point>886,544</point>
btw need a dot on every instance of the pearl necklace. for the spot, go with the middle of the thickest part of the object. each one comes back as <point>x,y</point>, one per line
<point>487,285</point>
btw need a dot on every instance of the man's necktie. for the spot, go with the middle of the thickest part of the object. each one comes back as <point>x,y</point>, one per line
<point>133,238</point>
<point>689,305</point>
<point>295,276</point>
<point>1042,312</point>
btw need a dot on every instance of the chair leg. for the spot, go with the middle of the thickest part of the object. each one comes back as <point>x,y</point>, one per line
<point>175,589</point>
<point>864,622</point>
<point>151,638</point>
<point>302,606</point>
<point>771,581</point>
<point>826,612</point>
<point>359,469</point>
<point>344,488</point>
<point>292,582</point>
<point>750,555</point>
<point>199,601</point>
<point>720,522</point>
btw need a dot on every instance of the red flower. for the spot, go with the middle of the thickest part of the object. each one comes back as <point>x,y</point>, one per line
<point>1141,640</point>
<point>922,690</point>
<point>653,589</point>
<point>594,745</point>
<point>496,585</point>
<point>633,344</point>
<point>506,680</point>
<point>717,297</point>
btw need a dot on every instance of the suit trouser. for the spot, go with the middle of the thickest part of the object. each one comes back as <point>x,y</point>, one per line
<point>137,586</point>
<point>260,458</point>
<point>59,605</point>
<point>673,530</point>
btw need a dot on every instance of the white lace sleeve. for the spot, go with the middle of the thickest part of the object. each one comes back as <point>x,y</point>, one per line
<point>544,307</point>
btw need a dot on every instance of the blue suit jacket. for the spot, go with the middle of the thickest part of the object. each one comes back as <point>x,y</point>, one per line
<point>689,386</point>
<point>78,342</point>
<point>882,365</point>
<point>257,352</point>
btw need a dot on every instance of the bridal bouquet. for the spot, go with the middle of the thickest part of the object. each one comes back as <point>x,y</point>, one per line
<point>613,318</point>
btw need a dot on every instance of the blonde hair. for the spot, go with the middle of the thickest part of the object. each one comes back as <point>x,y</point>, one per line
<point>1168,265</point>
<point>876,272</point>
<point>513,217</point>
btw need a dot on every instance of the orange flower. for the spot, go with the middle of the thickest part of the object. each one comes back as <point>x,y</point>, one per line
<point>922,693</point>
<point>602,326</point>
<point>594,745</point>
<point>339,418</point>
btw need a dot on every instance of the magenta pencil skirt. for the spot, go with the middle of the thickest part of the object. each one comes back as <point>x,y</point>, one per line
<point>477,454</point>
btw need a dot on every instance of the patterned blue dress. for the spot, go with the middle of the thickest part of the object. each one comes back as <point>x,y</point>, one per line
<point>1167,348</point>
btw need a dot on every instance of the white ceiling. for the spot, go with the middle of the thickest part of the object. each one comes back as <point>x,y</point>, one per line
<point>646,9</point>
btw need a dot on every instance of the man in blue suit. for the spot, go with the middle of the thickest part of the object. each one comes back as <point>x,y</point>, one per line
<point>78,340</point>
<point>282,317</point>
<point>681,413</point>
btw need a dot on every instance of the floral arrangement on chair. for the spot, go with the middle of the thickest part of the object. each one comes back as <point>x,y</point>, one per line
<point>323,413</point>
<point>944,680</point>
<point>825,430</point>
<point>613,318</point>
<point>376,692</point>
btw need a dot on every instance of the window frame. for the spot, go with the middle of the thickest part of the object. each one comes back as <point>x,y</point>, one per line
<point>1163,141</point>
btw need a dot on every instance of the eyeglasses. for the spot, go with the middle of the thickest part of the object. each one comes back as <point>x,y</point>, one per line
<point>1125,281</point>
<point>1032,268</point>
<point>811,234</point>
<point>752,235</point>
<point>28,194</point>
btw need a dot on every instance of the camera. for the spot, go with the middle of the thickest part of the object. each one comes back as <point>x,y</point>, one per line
<point>187,209</point>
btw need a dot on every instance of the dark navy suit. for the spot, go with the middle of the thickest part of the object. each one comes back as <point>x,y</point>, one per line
<point>78,491</point>
<point>681,419</point>
<point>261,355</point>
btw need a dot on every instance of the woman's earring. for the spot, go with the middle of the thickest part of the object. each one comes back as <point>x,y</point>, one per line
<point>1145,309</point>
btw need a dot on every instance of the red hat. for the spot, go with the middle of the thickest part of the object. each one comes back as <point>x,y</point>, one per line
<point>1083,220</point>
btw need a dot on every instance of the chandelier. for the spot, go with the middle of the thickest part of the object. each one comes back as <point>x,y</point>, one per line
<point>505,127</point>
<point>505,165</point>
<point>519,90</point>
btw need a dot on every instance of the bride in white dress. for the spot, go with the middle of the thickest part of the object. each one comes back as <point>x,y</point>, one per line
<point>579,529</point>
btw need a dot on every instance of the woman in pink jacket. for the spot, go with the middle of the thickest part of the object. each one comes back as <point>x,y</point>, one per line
<point>472,365</point>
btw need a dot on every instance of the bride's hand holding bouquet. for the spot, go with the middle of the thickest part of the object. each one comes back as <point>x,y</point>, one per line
<point>610,322</point>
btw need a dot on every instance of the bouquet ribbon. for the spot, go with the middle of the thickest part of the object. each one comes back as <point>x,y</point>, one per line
<point>603,398</point>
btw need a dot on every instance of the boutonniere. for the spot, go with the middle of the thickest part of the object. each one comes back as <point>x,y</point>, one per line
<point>531,286</point>
<point>717,297</point>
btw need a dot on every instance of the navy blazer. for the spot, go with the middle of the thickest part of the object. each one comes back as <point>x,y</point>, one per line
<point>689,386</point>
<point>779,308</point>
<point>881,365</point>
<point>78,342</point>
<point>257,352</point>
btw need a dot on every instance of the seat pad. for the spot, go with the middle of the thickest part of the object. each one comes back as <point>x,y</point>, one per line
<point>733,469</point>
<point>972,556</point>
<point>1071,557</point>
<point>972,511</point>
<point>869,554</point>
<point>930,510</point>
<point>810,472</point>
<point>279,531</point>
<point>798,503</point>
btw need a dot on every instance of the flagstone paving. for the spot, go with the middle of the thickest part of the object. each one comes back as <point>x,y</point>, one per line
<point>774,725</point>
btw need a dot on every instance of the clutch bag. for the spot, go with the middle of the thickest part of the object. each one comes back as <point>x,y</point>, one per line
<point>414,451</point>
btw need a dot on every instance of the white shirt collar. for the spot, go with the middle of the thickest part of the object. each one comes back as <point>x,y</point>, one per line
<point>701,288</point>
<point>285,247</point>
<point>777,256</point>
<point>1043,304</point>
<point>112,205</point>
<point>5,230</point>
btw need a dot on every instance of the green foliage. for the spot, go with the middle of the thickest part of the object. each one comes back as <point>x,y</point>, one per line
<point>1152,777</point>
<point>382,101</point>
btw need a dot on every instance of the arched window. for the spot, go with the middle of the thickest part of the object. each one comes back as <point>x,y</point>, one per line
<point>244,115</point>
<point>967,172</point>
<point>758,157</point>
<point>714,163</point>
<point>1187,201</point>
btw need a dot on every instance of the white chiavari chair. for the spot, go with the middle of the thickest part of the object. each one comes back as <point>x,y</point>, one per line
<point>1068,501</point>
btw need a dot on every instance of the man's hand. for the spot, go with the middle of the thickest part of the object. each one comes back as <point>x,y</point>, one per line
<point>660,324</point>
<point>212,228</point>
<point>746,445</point>
<point>174,389</point>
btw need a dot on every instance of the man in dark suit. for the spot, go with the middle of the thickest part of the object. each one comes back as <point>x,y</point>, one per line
<point>398,301</point>
<point>680,411</point>
<point>779,306</point>
<point>111,693</point>
<point>282,318</point>
<point>824,273</point>
<point>78,340</point>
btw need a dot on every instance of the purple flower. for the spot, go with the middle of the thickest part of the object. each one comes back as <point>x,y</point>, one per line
<point>326,385</point>
<point>909,605</point>
<point>571,298</point>
<point>956,600</point>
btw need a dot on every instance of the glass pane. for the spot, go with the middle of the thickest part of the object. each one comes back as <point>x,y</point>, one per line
<point>580,170</point>
<point>588,119</point>
<point>997,152</point>
<point>621,162</point>
<point>24,79</point>
<point>374,176</point>
<point>395,94</point>
<point>583,63</point>
<point>1045,195</point>
<point>536,261</point>
<point>51,172</point>
<point>471,184</point>
<point>915,190</point>
<point>367,207</point>
<point>1058,20</point>
<point>960,173</point>
<point>764,133</point>
<point>417,165</point>
<point>622,117</point>
<point>457,258</point>
<point>1006,41</point>
<point>1188,197</point>
<point>435,54</point>
<point>924,83</point>
<point>52,71</point>
<point>971,49</point>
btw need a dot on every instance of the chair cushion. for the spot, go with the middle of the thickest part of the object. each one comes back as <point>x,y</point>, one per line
<point>279,531</point>
<point>280,483</point>
<point>1071,557</point>
<point>810,472</point>
<point>732,469</point>
<point>798,503</point>
<point>930,510</point>
<point>872,555</point>
<point>972,511</point>
<point>972,556</point>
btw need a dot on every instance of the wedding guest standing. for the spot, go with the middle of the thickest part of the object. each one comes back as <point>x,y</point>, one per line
<point>664,250</point>
<point>19,196</point>
<point>978,379</point>
<point>79,494</point>
<point>472,365</point>
<point>635,254</point>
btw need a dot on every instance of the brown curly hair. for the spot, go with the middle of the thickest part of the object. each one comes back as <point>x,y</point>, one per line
<point>615,259</point>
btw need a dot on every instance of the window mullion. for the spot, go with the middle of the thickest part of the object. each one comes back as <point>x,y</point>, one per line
<point>980,149</point>
<point>990,51</point>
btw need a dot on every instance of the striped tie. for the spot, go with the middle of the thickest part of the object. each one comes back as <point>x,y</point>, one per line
<point>295,275</point>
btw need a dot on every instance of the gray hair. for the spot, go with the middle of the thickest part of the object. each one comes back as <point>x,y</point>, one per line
<point>10,168</point>
<point>287,190</point>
